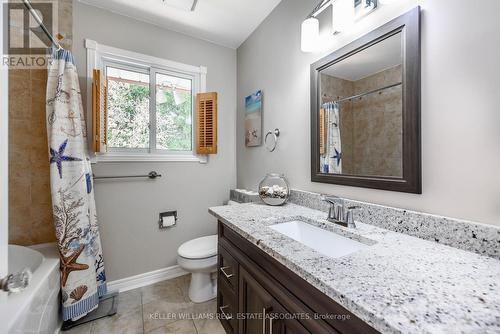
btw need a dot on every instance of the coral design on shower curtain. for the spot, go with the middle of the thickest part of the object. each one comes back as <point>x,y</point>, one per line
<point>83,279</point>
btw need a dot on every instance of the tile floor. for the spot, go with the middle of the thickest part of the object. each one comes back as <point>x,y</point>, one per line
<point>149,310</point>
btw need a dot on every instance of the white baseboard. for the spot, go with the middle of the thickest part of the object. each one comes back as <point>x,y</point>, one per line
<point>137,281</point>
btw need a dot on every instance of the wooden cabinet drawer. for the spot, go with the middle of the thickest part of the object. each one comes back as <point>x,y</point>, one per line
<point>228,268</point>
<point>227,307</point>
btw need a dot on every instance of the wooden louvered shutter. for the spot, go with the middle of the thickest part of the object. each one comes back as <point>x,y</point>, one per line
<point>99,111</point>
<point>322,131</point>
<point>206,111</point>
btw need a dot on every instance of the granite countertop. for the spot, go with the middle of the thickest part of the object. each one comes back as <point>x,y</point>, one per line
<point>399,284</point>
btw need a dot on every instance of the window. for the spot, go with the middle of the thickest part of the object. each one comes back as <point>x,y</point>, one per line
<point>141,121</point>
<point>174,113</point>
<point>128,109</point>
<point>149,105</point>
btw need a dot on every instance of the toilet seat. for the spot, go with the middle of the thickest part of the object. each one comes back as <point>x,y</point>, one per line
<point>199,248</point>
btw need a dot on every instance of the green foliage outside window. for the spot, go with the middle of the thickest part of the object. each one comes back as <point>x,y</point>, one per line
<point>128,115</point>
<point>128,118</point>
<point>173,123</point>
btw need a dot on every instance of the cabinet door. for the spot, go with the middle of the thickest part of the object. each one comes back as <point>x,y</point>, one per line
<point>255,304</point>
<point>260,313</point>
<point>226,307</point>
<point>228,268</point>
<point>283,322</point>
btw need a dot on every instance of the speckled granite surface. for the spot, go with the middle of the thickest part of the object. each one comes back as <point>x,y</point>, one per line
<point>478,238</point>
<point>400,284</point>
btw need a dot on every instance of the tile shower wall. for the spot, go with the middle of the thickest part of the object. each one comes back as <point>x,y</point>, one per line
<point>30,208</point>
<point>377,126</point>
<point>371,129</point>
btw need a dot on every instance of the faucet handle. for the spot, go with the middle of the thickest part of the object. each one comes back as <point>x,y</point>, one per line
<point>332,211</point>
<point>350,215</point>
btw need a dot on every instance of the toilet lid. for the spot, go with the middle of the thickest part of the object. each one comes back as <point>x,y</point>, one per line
<point>199,248</point>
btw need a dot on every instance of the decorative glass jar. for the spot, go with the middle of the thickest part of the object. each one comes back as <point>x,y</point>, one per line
<point>274,189</point>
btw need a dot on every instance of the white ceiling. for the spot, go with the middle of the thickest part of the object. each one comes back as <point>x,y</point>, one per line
<point>374,59</point>
<point>224,22</point>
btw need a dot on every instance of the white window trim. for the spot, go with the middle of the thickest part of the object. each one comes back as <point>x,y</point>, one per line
<point>96,53</point>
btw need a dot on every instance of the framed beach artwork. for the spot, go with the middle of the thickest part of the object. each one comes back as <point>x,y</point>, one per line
<point>253,119</point>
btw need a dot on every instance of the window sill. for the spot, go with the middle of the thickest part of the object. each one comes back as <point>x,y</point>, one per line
<point>120,157</point>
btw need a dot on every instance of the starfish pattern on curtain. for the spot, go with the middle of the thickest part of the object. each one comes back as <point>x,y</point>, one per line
<point>58,157</point>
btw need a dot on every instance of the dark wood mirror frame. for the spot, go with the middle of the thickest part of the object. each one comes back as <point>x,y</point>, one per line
<point>409,26</point>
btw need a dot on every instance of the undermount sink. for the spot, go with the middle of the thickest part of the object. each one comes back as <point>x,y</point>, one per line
<point>323,241</point>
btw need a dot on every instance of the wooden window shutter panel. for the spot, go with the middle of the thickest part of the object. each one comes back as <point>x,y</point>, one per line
<point>99,112</point>
<point>322,131</point>
<point>206,132</point>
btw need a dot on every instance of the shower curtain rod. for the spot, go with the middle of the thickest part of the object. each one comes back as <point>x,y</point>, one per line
<point>367,93</point>
<point>37,18</point>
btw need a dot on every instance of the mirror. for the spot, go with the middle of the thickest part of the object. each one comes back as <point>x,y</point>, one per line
<point>365,110</point>
<point>361,114</point>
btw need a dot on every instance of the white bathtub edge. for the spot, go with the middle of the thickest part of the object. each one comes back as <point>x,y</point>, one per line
<point>14,311</point>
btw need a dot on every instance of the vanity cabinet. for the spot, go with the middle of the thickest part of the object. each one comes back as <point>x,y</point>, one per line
<point>257,294</point>
<point>267,314</point>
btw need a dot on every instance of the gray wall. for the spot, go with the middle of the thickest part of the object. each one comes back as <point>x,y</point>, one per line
<point>460,99</point>
<point>128,210</point>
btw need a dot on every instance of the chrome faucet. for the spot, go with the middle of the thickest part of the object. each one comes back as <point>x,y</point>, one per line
<point>337,213</point>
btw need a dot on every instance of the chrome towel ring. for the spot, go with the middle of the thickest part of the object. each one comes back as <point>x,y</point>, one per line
<point>275,134</point>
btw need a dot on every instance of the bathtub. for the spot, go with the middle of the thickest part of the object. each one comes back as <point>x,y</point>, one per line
<point>36,309</point>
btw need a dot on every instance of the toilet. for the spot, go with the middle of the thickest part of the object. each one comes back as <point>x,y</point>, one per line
<point>199,257</point>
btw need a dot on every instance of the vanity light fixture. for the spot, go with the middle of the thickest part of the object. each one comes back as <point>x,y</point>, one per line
<point>310,28</point>
<point>342,15</point>
<point>309,34</point>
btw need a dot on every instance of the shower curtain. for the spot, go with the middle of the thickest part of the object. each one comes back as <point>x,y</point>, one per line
<point>83,279</point>
<point>332,160</point>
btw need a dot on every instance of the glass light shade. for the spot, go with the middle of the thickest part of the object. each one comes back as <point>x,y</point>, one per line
<point>309,34</point>
<point>342,15</point>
